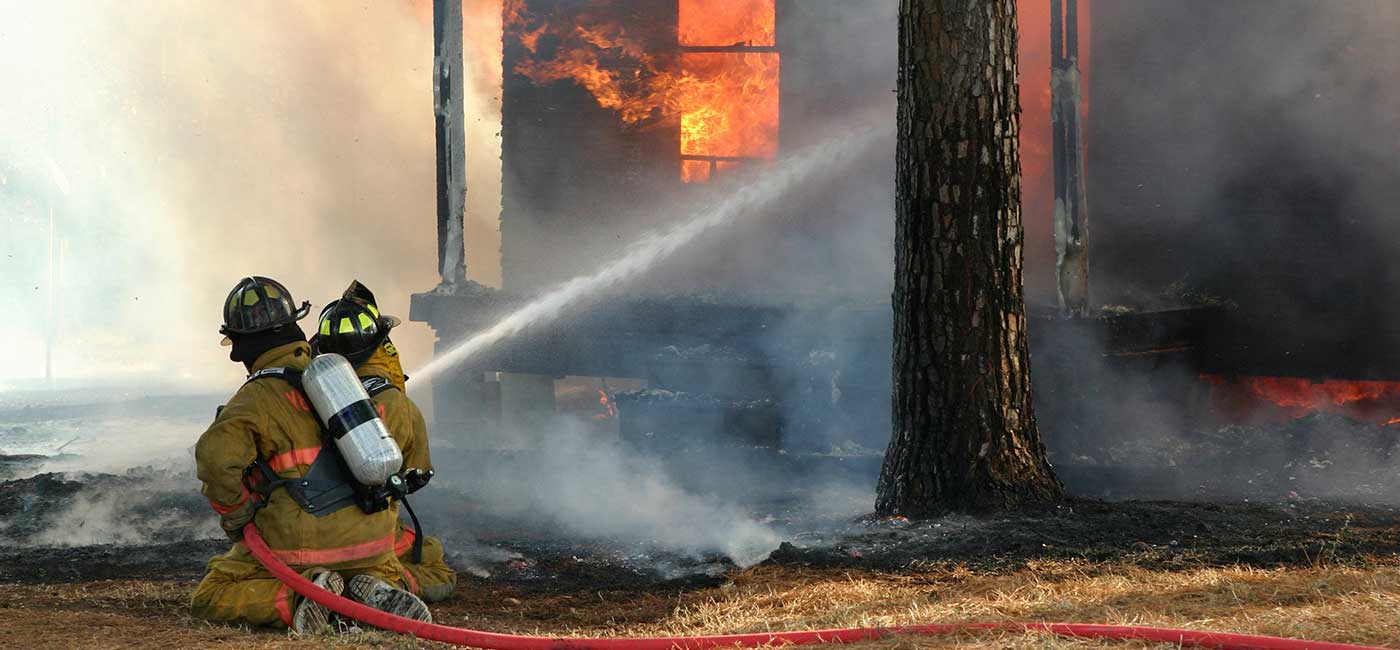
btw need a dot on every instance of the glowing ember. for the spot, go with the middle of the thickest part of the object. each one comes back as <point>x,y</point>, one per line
<point>1293,392</point>
<point>608,410</point>
<point>1372,401</point>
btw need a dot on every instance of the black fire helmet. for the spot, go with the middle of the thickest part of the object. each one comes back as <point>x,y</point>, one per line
<point>259,304</point>
<point>352,325</point>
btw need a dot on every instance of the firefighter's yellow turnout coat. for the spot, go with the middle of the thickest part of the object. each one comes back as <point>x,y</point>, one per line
<point>271,420</point>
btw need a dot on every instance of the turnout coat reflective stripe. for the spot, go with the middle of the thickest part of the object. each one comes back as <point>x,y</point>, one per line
<point>270,419</point>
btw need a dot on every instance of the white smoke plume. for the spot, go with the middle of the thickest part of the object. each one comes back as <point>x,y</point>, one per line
<point>605,490</point>
<point>182,146</point>
<point>108,517</point>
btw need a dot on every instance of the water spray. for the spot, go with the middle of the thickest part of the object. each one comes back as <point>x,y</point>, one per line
<point>657,245</point>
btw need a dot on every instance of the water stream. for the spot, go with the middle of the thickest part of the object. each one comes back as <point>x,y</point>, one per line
<point>776,182</point>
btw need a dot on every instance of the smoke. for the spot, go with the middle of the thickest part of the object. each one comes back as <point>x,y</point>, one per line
<point>1249,148</point>
<point>657,246</point>
<point>1245,146</point>
<point>1225,150</point>
<point>1240,154</point>
<point>772,236</point>
<point>116,517</point>
<point>80,509</point>
<point>202,142</point>
<point>602,489</point>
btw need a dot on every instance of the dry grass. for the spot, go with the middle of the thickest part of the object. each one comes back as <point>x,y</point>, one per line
<point>1341,603</point>
<point>1337,604</point>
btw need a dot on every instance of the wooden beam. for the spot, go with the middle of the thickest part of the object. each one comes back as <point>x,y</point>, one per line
<point>451,139</point>
<point>1071,221</point>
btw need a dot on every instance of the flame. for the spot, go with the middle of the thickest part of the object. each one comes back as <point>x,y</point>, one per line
<point>725,104</point>
<point>602,57</point>
<point>734,111</point>
<point>727,22</point>
<point>1373,401</point>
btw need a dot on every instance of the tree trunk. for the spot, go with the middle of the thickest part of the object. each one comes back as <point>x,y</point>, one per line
<point>964,435</point>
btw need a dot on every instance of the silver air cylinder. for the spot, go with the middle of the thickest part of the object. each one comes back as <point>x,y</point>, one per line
<point>350,417</point>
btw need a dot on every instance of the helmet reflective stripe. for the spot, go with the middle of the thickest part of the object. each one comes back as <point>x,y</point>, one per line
<point>250,298</point>
<point>353,326</point>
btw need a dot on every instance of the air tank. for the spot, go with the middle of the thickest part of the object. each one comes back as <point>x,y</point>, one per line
<point>351,419</point>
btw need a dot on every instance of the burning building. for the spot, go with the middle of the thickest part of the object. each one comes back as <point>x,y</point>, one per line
<point>613,111</point>
<point>1235,267</point>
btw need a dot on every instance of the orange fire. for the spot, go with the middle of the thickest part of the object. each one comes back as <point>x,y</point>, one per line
<point>735,113</point>
<point>1292,392</point>
<point>723,100</point>
<point>727,22</point>
<point>1372,401</point>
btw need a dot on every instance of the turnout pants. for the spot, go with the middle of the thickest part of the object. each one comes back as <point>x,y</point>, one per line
<point>432,580</point>
<point>237,589</point>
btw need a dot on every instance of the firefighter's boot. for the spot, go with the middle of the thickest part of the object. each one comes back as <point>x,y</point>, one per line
<point>312,617</point>
<point>384,597</point>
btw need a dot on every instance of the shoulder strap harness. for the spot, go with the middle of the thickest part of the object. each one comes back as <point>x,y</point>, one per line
<point>325,488</point>
<point>328,485</point>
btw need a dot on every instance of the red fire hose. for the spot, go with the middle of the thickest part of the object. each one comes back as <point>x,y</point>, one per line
<point>494,641</point>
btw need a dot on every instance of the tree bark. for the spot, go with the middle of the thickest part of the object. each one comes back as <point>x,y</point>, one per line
<point>964,434</point>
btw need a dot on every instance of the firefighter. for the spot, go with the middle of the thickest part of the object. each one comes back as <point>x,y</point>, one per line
<point>353,327</point>
<point>263,460</point>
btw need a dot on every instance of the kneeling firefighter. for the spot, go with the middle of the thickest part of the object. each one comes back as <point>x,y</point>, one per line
<point>300,451</point>
<point>354,328</point>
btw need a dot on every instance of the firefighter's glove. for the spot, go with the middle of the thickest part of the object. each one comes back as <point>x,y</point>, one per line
<point>234,521</point>
<point>415,479</point>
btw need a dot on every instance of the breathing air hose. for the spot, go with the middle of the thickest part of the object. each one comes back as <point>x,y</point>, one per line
<point>495,641</point>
